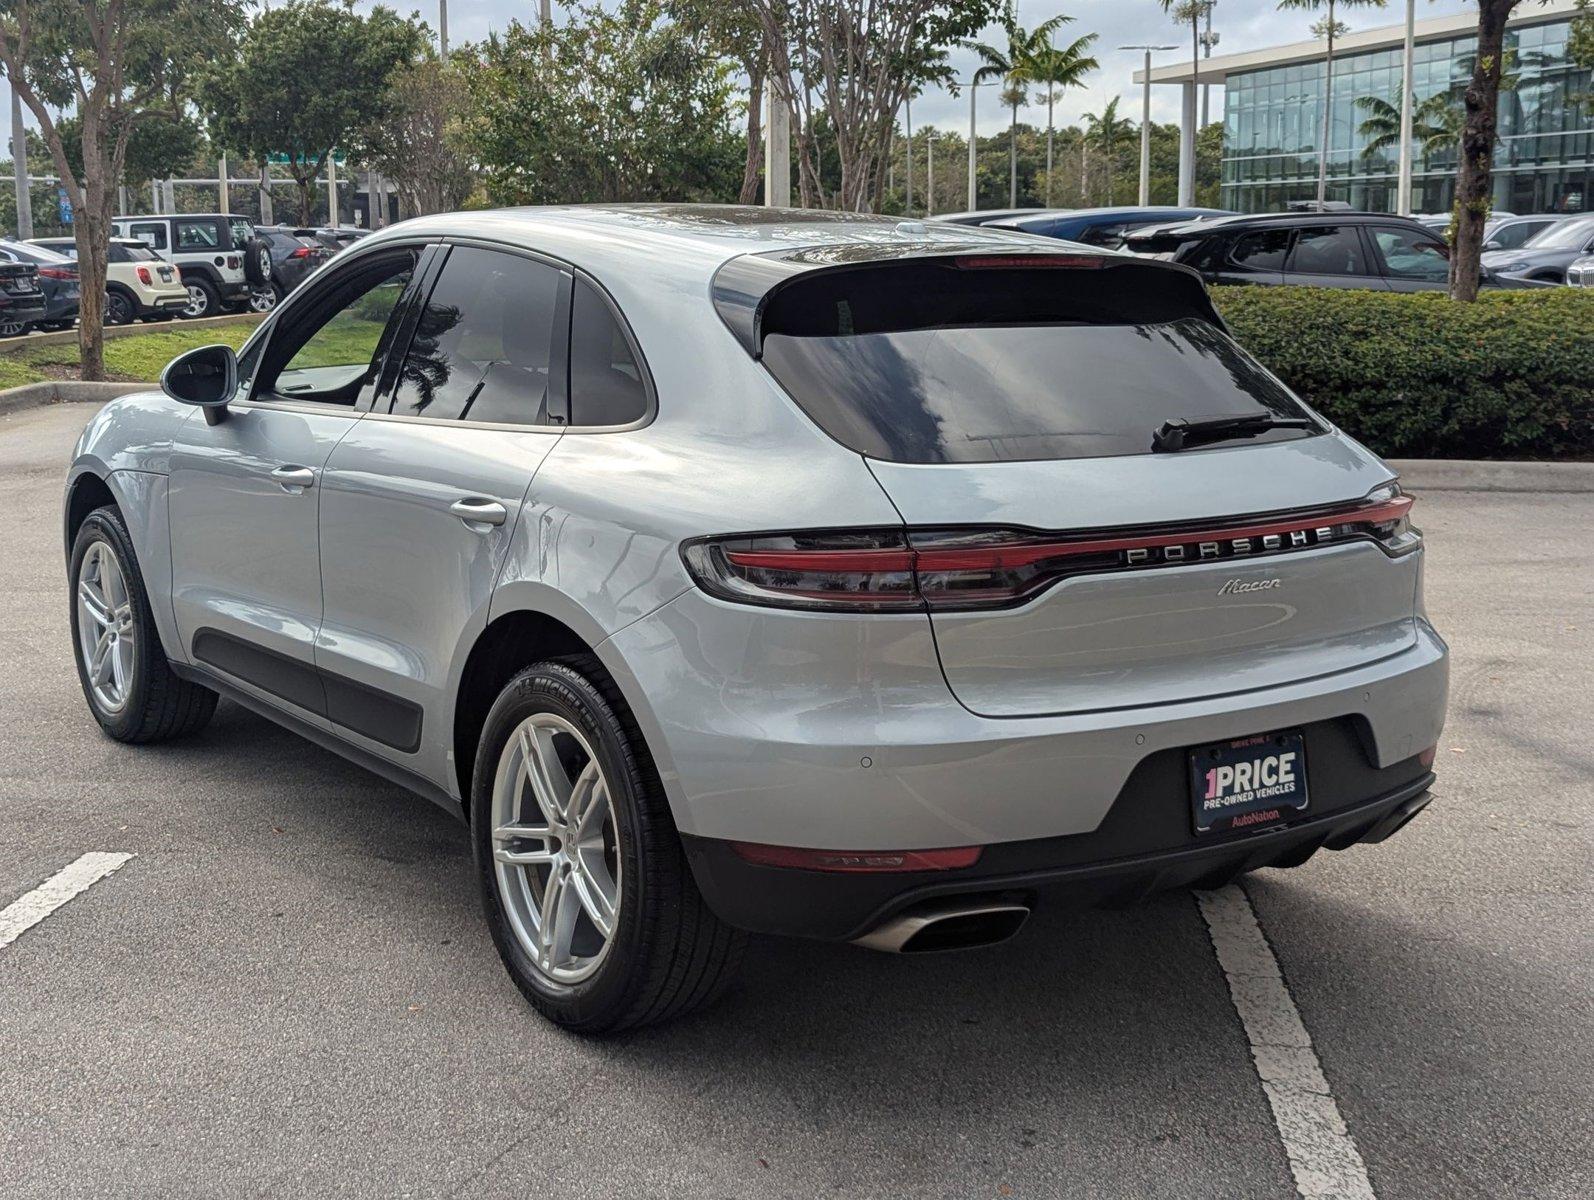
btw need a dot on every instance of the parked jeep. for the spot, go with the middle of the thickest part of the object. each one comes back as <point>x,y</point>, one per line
<point>220,259</point>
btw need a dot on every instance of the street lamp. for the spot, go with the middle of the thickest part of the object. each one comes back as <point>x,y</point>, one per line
<point>1145,123</point>
<point>1208,39</point>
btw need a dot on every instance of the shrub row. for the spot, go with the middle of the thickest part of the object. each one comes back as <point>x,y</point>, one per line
<point>1418,376</point>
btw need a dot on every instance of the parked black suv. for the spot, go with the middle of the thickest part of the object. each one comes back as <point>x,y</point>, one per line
<point>1337,249</point>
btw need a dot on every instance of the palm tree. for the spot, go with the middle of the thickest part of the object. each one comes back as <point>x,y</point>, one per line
<point>1016,65</point>
<point>1105,130</point>
<point>1061,67</point>
<point>1435,124</point>
<point>1329,28</point>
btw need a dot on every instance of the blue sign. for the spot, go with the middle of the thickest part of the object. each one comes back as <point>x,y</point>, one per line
<point>64,205</point>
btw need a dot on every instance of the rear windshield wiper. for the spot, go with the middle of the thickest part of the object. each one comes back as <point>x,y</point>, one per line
<point>1184,432</point>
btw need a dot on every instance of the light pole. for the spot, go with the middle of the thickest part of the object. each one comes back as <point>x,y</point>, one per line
<point>442,28</point>
<point>907,205</point>
<point>973,198</point>
<point>1208,40</point>
<point>929,172</point>
<point>1407,101</point>
<point>1145,122</point>
<point>19,164</point>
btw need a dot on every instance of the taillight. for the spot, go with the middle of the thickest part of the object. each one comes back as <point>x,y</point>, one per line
<point>301,252</point>
<point>856,861</point>
<point>232,261</point>
<point>143,275</point>
<point>942,570</point>
<point>57,272</point>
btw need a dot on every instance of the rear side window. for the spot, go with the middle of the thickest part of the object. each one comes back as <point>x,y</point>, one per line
<point>929,363</point>
<point>606,385</point>
<point>1409,254</point>
<point>1331,251</point>
<point>1262,251</point>
<point>483,342</point>
<point>151,233</point>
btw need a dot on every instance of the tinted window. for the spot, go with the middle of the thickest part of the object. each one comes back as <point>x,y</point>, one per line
<point>1565,235</point>
<point>242,231</point>
<point>483,342</point>
<point>1328,251</point>
<point>1101,235</point>
<point>151,233</point>
<point>197,235</point>
<point>1516,233</point>
<point>333,349</point>
<point>941,365</point>
<point>123,252</point>
<point>1263,251</point>
<point>606,386</point>
<point>1409,254</point>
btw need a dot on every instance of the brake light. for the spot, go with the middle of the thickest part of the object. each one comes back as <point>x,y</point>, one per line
<point>57,272</point>
<point>301,252</point>
<point>909,570</point>
<point>986,262</point>
<point>879,861</point>
<point>144,276</point>
<point>233,261</point>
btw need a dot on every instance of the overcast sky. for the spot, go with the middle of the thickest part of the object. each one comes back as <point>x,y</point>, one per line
<point>1242,24</point>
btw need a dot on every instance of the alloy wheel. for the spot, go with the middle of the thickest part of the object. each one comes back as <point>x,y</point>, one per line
<point>106,640</point>
<point>262,300</point>
<point>198,302</point>
<point>556,848</point>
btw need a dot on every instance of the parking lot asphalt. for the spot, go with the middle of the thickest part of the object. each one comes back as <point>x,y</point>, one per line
<point>289,991</point>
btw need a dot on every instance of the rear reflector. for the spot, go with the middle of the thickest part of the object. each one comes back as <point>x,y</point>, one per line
<point>882,861</point>
<point>909,570</point>
<point>1427,756</point>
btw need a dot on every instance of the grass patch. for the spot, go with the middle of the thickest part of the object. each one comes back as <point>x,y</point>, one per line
<point>138,357</point>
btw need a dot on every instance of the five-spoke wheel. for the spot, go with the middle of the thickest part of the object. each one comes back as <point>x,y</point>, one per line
<point>106,638</point>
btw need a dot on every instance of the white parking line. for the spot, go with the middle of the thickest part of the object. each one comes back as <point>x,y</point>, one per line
<point>23,913</point>
<point>1323,1156</point>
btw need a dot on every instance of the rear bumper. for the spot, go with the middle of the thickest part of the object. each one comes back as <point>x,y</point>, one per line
<point>22,310</point>
<point>1049,872</point>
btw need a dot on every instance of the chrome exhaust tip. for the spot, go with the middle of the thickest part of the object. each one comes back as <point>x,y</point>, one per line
<point>946,925</point>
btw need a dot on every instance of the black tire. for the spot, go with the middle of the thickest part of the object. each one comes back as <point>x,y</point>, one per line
<point>120,307</point>
<point>159,705</point>
<point>670,954</point>
<point>257,262</point>
<point>204,300</point>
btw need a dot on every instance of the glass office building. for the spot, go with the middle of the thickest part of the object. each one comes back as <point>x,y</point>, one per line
<point>1273,117</point>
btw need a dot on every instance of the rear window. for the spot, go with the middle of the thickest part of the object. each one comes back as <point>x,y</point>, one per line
<point>123,252</point>
<point>934,364</point>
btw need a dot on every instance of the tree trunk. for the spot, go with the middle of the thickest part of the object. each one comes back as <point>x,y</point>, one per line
<point>1084,170</point>
<point>1050,96</point>
<point>304,200</point>
<point>91,231</point>
<point>1012,162</point>
<point>1328,111</point>
<point>755,139</point>
<point>1475,179</point>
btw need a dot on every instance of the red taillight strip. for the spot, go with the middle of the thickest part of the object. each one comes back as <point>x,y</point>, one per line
<point>857,861</point>
<point>1025,554</point>
<point>823,560</point>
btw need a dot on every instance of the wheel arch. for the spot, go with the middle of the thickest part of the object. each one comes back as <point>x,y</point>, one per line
<point>531,632</point>
<point>84,493</point>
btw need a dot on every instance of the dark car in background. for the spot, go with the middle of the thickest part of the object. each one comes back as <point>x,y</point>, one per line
<point>1545,257</point>
<point>333,238</point>
<point>1373,251</point>
<point>294,258</point>
<point>57,278</point>
<point>21,299</point>
<point>984,216</point>
<point>1103,226</point>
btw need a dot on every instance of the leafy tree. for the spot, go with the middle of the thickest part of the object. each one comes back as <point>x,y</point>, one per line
<point>856,62</point>
<point>1330,27</point>
<point>309,76</point>
<point>1022,62</point>
<point>418,146</point>
<point>622,105</point>
<point>1061,67</point>
<point>115,62</point>
<point>733,31</point>
<point>161,145</point>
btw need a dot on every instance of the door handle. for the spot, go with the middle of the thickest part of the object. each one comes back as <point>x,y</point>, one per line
<point>294,479</point>
<point>475,511</point>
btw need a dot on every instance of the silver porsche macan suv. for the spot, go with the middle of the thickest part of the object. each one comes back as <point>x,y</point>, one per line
<point>734,569</point>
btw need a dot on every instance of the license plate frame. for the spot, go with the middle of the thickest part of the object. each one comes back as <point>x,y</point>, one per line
<point>1254,782</point>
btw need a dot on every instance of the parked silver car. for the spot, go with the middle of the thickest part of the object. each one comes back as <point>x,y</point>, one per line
<point>733,569</point>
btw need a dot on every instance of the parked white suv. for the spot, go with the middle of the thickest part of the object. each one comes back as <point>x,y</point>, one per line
<point>220,259</point>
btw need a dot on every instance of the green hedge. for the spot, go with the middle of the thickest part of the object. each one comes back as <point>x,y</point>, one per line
<point>1418,376</point>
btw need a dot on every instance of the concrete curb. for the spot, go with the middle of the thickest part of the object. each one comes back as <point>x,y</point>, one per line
<point>69,336</point>
<point>64,391</point>
<point>1454,475</point>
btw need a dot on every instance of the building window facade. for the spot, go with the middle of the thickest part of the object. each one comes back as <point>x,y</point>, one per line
<point>1543,163</point>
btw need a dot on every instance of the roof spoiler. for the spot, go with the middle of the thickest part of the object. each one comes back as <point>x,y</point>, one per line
<point>743,287</point>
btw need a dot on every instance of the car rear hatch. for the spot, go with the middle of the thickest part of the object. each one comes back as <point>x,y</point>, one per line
<point>1010,405</point>
<point>20,280</point>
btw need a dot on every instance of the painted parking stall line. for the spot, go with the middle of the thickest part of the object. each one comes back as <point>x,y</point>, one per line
<point>26,911</point>
<point>1323,1156</point>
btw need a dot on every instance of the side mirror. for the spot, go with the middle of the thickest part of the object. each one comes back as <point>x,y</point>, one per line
<point>1491,244</point>
<point>207,376</point>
